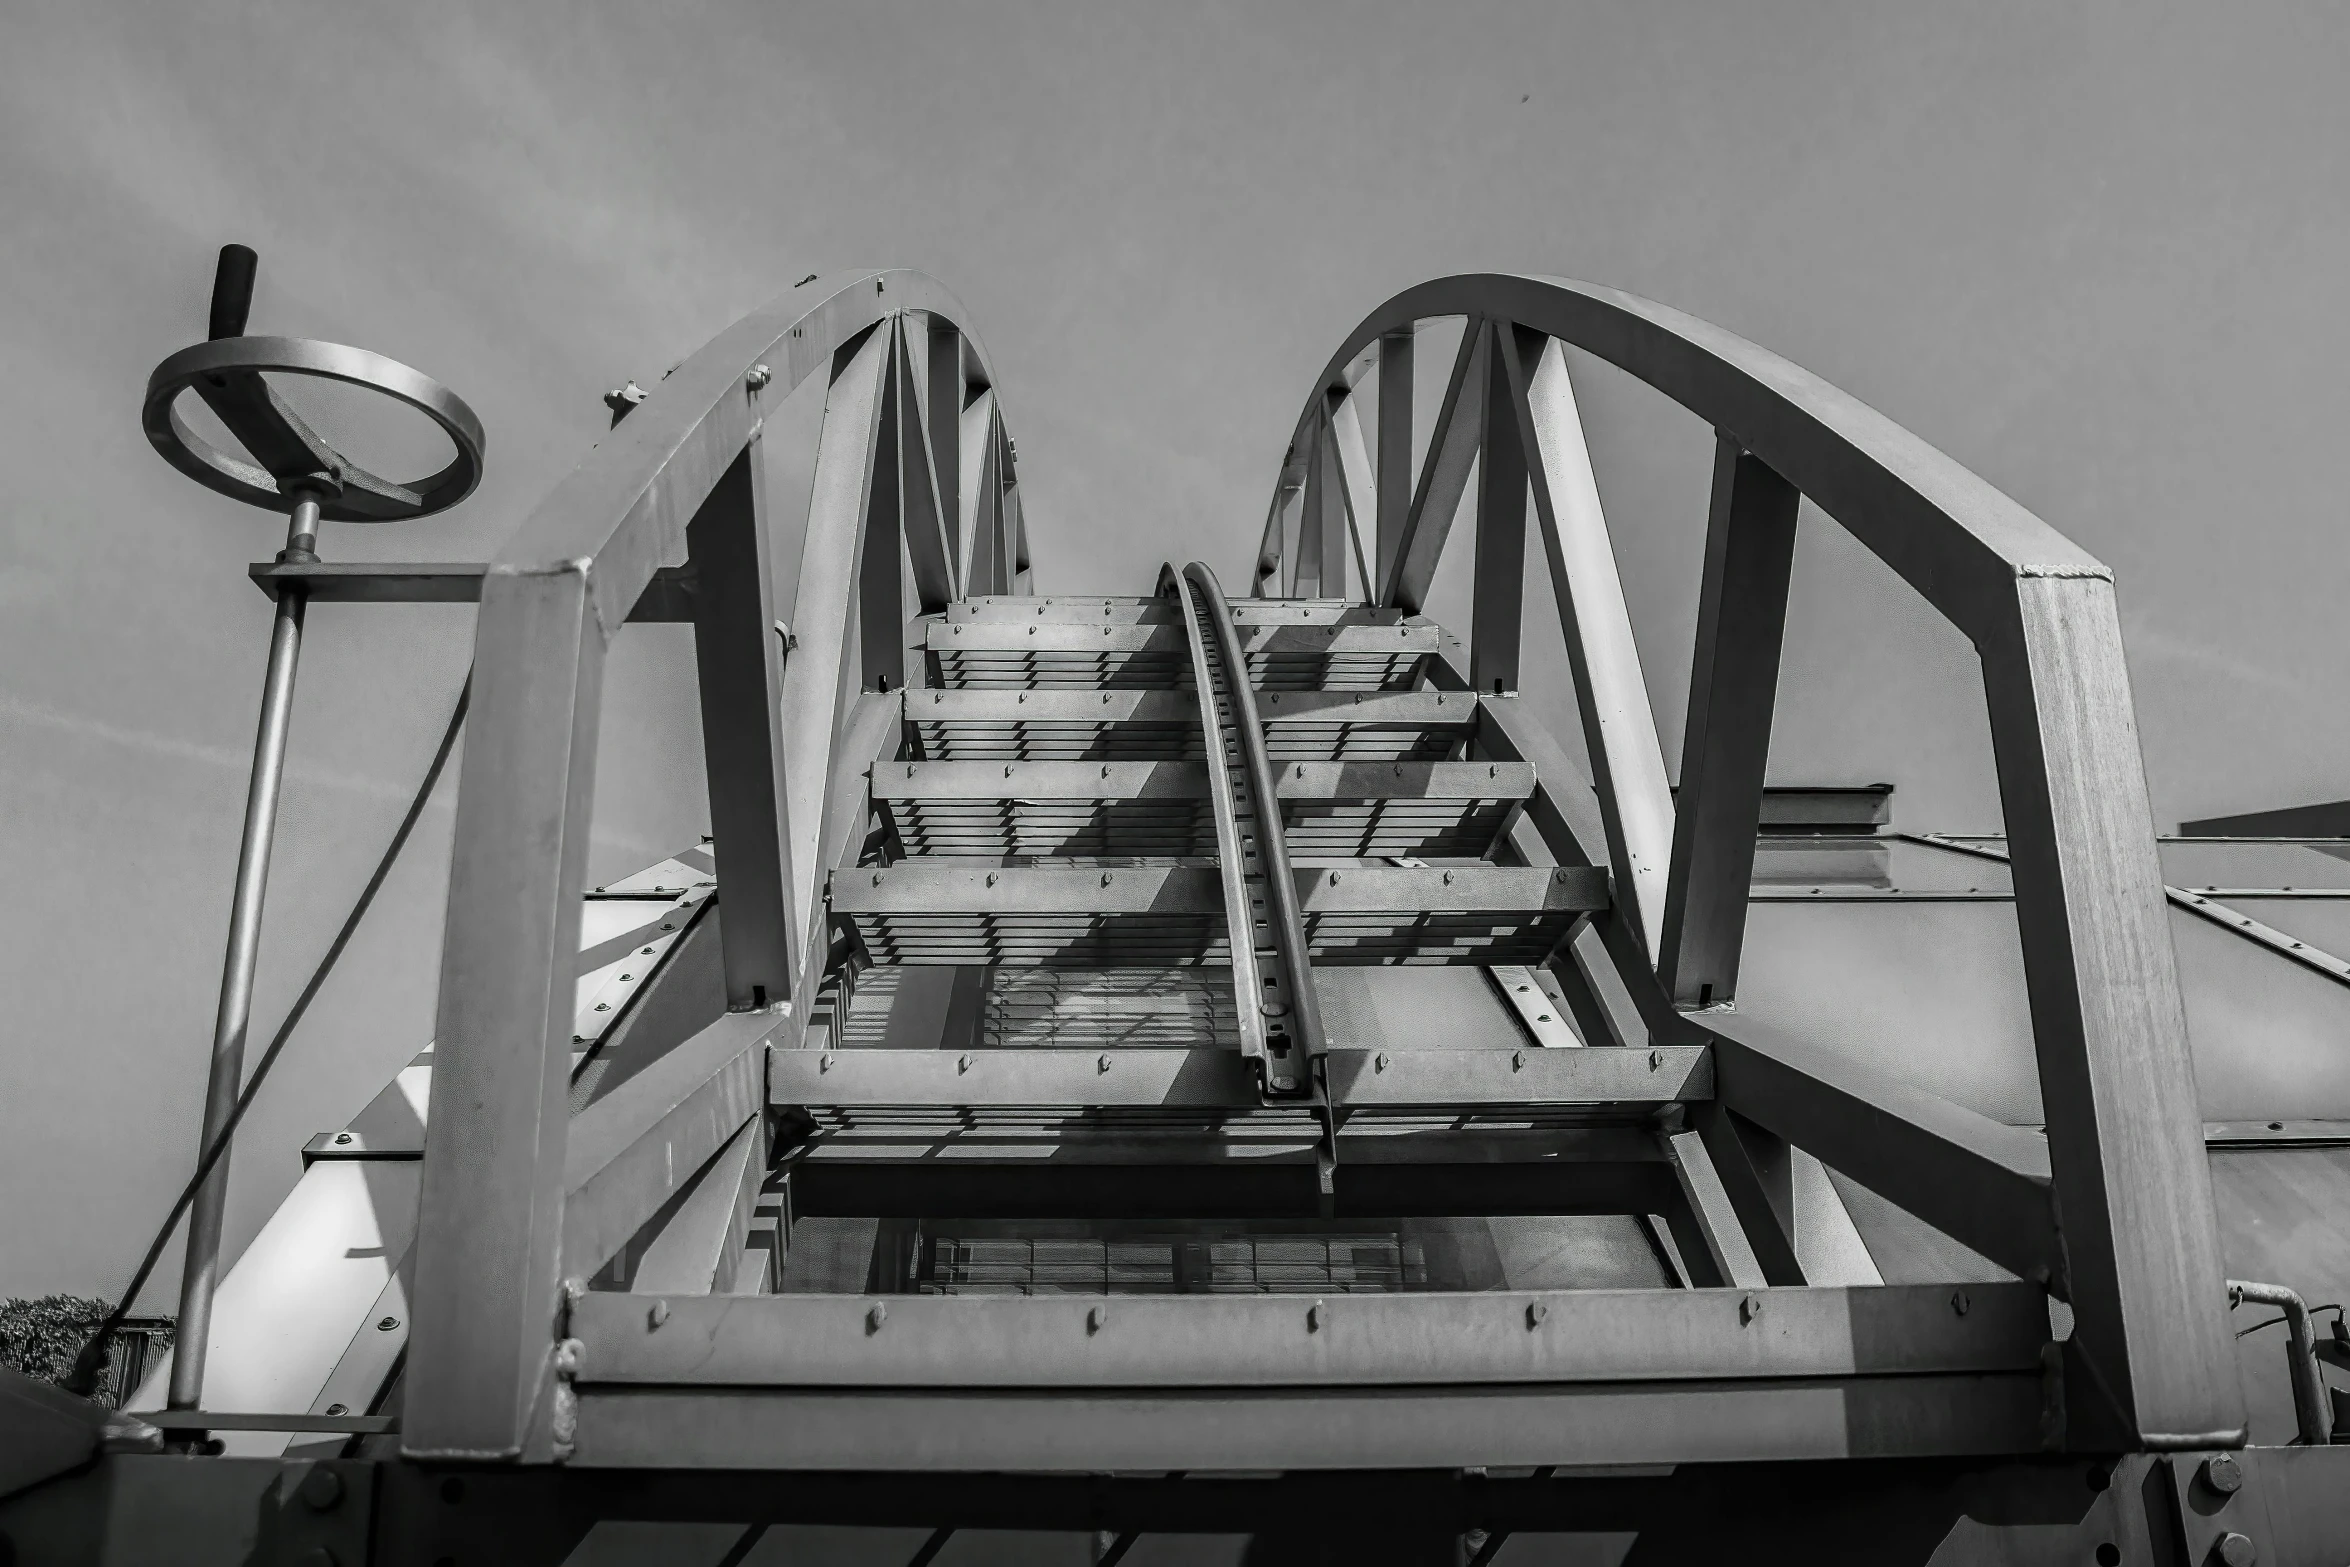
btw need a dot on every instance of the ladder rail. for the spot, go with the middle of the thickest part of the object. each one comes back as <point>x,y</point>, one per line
<point>1279,1014</point>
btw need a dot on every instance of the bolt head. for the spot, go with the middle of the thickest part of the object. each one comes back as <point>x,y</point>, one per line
<point>658,1314</point>
<point>1960,1302</point>
<point>342,1137</point>
<point>2235,1549</point>
<point>1535,1312</point>
<point>757,378</point>
<point>321,1489</point>
<point>387,1324</point>
<point>1749,1308</point>
<point>2223,1474</point>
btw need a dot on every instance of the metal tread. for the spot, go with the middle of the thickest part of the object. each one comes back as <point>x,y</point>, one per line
<point>1084,657</point>
<point>1334,810</point>
<point>993,724</point>
<point>1143,916</point>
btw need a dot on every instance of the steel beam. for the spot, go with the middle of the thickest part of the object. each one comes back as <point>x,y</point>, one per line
<point>1619,729</point>
<point>1500,1338</point>
<point>1497,592</point>
<point>1444,475</point>
<point>1733,681</point>
<point>1394,484</point>
<point>740,677</point>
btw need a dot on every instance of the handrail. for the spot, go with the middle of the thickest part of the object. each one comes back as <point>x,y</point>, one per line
<point>2140,1238</point>
<point>683,478</point>
<point>1276,1008</point>
<point>1949,532</point>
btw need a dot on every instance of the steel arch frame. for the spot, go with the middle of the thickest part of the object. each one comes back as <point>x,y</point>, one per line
<point>2116,1213</point>
<point>682,477</point>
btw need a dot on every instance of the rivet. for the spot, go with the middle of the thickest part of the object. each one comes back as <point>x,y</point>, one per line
<point>962,1063</point>
<point>1959,1302</point>
<point>1102,1063</point>
<point>1535,1312</point>
<point>342,1137</point>
<point>824,1062</point>
<point>1749,1308</point>
<point>876,1317</point>
<point>991,878</point>
<point>1105,878</point>
<point>1095,1317</point>
<point>877,878</point>
<point>321,1488</point>
<point>1517,1060</point>
<point>1334,878</point>
<point>658,1314</point>
<point>1656,1059</point>
<point>387,1324</point>
<point>338,1409</point>
<point>1314,1317</point>
<point>1379,1062</point>
<point>1448,878</point>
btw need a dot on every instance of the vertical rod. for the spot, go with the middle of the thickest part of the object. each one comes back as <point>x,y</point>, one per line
<point>200,1273</point>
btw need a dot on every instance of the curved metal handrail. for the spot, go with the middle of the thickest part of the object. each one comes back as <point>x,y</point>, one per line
<point>2139,1254</point>
<point>661,464</point>
<point>1949,532</point>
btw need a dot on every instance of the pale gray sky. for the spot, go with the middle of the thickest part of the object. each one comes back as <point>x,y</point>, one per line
<point>2095,252</point>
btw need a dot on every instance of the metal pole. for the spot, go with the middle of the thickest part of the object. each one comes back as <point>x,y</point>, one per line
<point>244,949</point>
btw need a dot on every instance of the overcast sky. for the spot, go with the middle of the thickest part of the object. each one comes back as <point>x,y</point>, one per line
<point>2094,252</point>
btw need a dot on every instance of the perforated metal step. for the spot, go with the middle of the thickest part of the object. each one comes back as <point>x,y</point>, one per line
<point>1072,725</point>
<point>1330,810</point>
<point>1286,657</point>
<point>1156,915</point>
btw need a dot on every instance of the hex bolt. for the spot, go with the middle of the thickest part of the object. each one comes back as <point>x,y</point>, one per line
<point>656,1316</point>
<point>1535,1312</point>
<point>757,377</point>
<point>321,1489</point>
<point>2235,1549</point>
<point>1749,1308</point>
<point>387,1324</point>
<point>2223,1474</point>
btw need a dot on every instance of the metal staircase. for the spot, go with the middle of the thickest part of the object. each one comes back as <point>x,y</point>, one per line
<point>1177,1063</point>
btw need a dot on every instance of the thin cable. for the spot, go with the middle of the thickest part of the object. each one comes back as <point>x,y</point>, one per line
<point>2273,1321</point>
<point>83,1379</point>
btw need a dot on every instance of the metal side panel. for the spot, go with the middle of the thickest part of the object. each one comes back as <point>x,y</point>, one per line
<point>1432,1428</point>
<point>290,1307</point>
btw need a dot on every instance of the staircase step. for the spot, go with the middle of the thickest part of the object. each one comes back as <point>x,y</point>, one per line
<point>1130,725</point>
<point>1330,810</point>
<point>1615,1081</point>
<point>1084,657</point>
<point>1152,915</point>
<point>1083,611</point>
